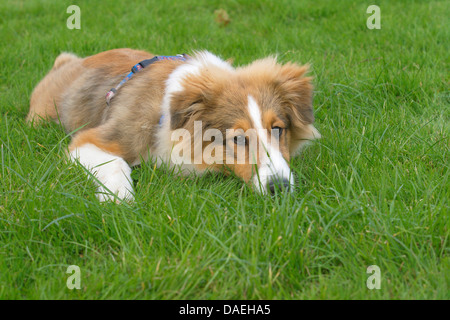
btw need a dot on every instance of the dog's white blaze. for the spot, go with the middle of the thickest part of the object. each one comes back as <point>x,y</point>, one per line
<point>112,171</point>
<point>272,163</point>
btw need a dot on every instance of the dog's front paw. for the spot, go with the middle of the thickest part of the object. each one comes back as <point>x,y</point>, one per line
<point>112,173</point>
<point>123,193</point>
<point>115,177</point>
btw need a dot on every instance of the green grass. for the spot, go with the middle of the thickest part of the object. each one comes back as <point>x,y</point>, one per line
<point>373,191</point>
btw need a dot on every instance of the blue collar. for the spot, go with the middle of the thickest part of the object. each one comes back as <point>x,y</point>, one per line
<point>138,67</point>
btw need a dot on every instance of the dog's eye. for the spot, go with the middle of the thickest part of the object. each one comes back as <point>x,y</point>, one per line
<point>277,131</point>
<point>240,140</point>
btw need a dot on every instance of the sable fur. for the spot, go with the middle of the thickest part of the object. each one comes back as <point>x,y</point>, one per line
<point>73,92</point>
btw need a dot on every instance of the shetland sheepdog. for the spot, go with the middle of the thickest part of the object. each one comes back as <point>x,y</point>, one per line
<point>196,113</point>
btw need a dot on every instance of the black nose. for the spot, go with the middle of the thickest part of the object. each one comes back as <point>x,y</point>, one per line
<point>278,183</point>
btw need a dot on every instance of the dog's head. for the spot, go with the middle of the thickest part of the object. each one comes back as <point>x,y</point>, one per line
<point>249,120</point>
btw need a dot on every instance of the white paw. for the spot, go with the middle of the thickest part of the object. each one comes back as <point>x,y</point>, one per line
<point>115,177</point>
<point>123,194</point>
<point>112,172</point>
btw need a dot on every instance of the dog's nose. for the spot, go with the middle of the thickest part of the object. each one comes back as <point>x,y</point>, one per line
<point>278,183</point>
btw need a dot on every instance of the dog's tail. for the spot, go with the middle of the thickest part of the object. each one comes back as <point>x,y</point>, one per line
<point>63,58</point>
<point>50,89</point>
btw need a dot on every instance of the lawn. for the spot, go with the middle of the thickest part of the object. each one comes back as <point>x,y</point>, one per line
<point>373,191</point>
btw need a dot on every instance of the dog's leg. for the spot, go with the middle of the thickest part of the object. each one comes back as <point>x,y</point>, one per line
<point>101,159</point>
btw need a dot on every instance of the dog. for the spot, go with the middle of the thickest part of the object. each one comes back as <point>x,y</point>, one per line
<point>147,107</point>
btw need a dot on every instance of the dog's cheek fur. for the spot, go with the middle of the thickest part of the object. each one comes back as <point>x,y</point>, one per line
<point>183,107</point>
<point>198,94</point>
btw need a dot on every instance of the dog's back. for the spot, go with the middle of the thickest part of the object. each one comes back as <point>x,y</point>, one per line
<point>68,69</point>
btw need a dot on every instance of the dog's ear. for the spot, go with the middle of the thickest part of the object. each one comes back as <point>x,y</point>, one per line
<point>296,92</point>
<point>198,92</point>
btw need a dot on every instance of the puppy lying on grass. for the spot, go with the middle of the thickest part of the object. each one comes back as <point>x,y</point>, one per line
<point>195,112</point>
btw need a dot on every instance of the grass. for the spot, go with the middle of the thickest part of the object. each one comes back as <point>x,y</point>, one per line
<point>373,191</point>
